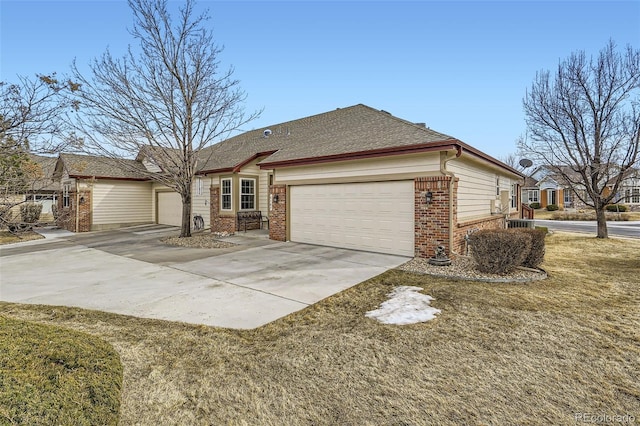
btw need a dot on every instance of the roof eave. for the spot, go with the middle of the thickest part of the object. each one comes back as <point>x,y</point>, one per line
<point>360,155</point>
<point>78,176</point>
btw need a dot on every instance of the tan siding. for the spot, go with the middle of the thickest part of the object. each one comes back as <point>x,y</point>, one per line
<point>476,188</point>
<point>201,202</point>
<point>389,168</point>
<point>263,192</point>
<point>121,202</point>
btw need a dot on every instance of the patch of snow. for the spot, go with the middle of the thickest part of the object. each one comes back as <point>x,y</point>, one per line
<point>405,306</point>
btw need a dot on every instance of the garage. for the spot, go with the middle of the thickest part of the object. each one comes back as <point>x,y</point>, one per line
<point>169,208</point>
<point>371,216</point>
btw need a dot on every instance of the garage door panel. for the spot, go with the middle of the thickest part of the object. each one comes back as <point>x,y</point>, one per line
<point>366,216</point>
<point>169,208</point>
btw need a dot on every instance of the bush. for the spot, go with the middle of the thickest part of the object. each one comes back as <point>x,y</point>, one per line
<point>616,208</point>
<point>536,254</point>
<point>499,251</point>
<point>30,212</point>
<point>552,207</point>
<point>534,205</point>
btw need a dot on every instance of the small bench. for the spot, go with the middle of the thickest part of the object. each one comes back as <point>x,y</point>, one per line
<point>251,217</point>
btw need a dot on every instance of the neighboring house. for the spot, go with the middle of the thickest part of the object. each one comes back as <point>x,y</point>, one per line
<point>546,186</point>
<point>629,192</point>
<point>44,190</point>
<point>354,177</point>
<point>40,188</point>
<point>99,193</point>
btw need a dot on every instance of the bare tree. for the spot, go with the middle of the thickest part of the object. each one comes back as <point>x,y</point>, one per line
<point>584,123</point>
<point>32,112</point>
<point>170,100</point>
<point>31,121</point>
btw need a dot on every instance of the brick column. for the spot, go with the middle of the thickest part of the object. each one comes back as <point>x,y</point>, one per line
<point>220,223</point>
<point>432,220</point>
<point>278,213</point>
<point>84,211</point>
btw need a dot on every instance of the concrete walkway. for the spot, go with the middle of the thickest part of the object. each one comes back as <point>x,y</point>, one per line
<point>131,272</point>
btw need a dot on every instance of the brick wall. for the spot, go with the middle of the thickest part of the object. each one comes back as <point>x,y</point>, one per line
<point>462,229</point>
<point>278,213</point>
<point>432,220</point>
<point>68,220</point>
<point>220,223</point>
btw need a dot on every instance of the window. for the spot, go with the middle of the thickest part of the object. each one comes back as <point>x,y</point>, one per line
<point>632,195</point>
<point>247,194</point>
<point>498,185</point>
<point>199,186</point>
<point>66,200</point>
<point>514,196</point>
<point>225,194</point>
<point>568,197</point>
<point>533,195</point>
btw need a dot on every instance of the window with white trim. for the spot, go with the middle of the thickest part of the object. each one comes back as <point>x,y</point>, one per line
<point>533,195</point>
<point>568,197</point>
<point>225,194</point>
<point>247,194</point>
<point>198,186</point>
<point>514,196</point>
<point>498,185</point>
<point>632,195</point>
<point>66,200</point>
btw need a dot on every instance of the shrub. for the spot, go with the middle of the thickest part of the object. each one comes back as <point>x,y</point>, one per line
<point>534,205</point>
<point>30,212</point>
<point>536,254</point>
<point>552,207</point>
<point>616,208</point>
<point>499,251</point>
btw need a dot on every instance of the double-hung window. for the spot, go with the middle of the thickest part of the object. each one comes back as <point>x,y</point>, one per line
<point>533,195</point>
<point>225,194</point>
<point>198,186</point>
<point>66,200</point>
<point>247,194</point>
<point>514,196</point>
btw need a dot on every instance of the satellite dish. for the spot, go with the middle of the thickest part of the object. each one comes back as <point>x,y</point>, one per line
<point>525,162</point>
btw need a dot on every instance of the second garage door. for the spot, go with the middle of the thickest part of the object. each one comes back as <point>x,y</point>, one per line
<point>169,208</point>
<point>372,216</point>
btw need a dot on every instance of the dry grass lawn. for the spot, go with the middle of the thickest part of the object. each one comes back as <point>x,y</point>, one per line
<point>535,353</point>
<point>7,237</point>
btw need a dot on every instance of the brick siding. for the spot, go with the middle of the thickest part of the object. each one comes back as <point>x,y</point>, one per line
<point>462,229</point>
<point>220,223</point>
<point>432,221</point>
<point>278,213</point>
<point>67,219</point>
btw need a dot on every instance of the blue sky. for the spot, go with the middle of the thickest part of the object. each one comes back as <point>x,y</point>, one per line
<point>461,67</point>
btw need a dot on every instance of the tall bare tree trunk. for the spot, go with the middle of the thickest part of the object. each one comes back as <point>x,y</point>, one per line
<point>602,222</point>
<point>185,229</point>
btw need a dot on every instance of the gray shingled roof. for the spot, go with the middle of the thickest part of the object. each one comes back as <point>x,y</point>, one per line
<point>48,165</point>
<point>355,129</point>
<point>103,167</point>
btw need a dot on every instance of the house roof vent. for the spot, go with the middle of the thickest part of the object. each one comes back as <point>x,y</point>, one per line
<point>267,133</point>
<point>421,125</point>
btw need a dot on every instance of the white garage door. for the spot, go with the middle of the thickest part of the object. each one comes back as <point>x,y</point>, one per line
<point>372,216</point>
<point>169,208</point>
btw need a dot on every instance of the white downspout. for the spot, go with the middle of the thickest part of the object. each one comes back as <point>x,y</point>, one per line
<point>444,159</point>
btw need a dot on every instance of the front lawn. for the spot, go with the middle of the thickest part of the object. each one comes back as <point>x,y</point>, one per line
<point>7,237</point>
<point>50,375</point>
<point>545,352</point>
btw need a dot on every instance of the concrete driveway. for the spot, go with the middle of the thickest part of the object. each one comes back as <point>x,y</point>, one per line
<point>130,272</point>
